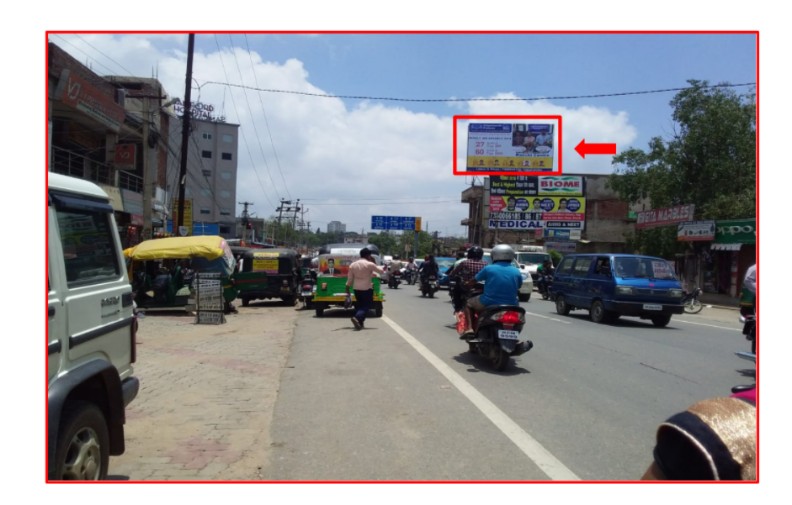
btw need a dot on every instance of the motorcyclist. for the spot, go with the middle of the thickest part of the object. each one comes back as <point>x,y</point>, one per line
<point>543,271</point>
<point>465,272</point>
<point>410,270</point>
<point>502,281</point>
<point>428,268</point>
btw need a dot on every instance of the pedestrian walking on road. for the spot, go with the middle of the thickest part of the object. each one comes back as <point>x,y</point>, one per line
<point>359,279</point>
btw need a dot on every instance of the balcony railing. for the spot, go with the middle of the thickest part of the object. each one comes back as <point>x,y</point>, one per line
<point>76,165</point>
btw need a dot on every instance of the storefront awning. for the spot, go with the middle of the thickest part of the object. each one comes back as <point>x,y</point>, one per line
<point>726,247</point>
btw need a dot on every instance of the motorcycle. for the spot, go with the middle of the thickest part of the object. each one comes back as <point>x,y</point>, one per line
<point>429,286</point>
<point>307,285</point>
<point>544,284</point>
<point>408,275</point>
<point>749,329</point>
<point>691,302</point>
<point>394,279</point>
<point>496,334</point>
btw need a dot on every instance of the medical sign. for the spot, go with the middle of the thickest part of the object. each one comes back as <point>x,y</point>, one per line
<point>537,202</point>
<point>524,144</point>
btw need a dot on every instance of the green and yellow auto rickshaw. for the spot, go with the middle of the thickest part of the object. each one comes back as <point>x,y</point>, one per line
<point>162,270</point>
<point>331,284</point>
<point>268,273</point>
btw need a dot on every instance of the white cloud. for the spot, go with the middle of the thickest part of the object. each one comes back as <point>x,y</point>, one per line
<point>345,161</point>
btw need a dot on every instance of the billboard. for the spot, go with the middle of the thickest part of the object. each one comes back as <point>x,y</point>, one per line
<point>537,202</point>
<point>510,145</point>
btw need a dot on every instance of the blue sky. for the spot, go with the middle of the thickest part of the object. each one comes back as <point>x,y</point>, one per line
<point>347,159</point>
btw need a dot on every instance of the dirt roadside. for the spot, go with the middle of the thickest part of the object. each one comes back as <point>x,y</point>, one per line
<point>207,395</point>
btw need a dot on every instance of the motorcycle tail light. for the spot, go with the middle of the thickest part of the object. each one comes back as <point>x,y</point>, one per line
<point>510,318</point>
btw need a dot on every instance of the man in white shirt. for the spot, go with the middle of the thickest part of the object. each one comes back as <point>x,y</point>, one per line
<point>359,279</point>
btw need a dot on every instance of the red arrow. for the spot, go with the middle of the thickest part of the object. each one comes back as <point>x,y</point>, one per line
<point>583,149</point>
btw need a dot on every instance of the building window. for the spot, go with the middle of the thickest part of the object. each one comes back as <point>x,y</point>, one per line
<point>225,194</point>
<point>206,211</point>
<point>226,176</point>
<point>206,154</point>
<point>207,136</point>
<point>226,156</point>
<point>228,138</point>
<point>225,212</point>
<point>207,173</point>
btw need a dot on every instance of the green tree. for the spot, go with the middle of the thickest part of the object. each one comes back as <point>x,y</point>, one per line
<point>709,161</point>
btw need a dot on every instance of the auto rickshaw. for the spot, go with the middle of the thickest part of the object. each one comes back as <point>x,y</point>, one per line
<point>268,273</point>
<point>162,270</point>
<point>331,283</point>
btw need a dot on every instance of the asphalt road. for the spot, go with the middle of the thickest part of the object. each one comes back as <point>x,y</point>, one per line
<point>403,400</point>
<point>278,394</point>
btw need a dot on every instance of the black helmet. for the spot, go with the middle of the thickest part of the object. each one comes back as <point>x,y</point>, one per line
<point>475,253</point>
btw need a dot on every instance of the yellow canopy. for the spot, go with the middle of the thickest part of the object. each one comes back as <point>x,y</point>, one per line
<point>203,246</point>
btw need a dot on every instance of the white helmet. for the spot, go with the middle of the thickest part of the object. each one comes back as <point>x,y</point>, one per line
<point>502,252</point>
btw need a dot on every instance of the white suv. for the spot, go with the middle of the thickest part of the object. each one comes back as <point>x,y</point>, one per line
<point>91,330</point>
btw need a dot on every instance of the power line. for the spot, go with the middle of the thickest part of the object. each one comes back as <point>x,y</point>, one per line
<point>516,99</point>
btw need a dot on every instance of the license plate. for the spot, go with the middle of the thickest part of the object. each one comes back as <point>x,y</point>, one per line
<point>652,306</point>
<point>508,334</point>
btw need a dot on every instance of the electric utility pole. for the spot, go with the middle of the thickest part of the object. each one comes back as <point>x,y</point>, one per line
<point>185,143</point>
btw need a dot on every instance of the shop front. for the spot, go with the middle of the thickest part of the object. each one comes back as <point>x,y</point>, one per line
<point>730,254</point>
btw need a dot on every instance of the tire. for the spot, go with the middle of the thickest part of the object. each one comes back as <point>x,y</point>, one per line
<point>561,306</point>
<point>524,297</point>
<point>661,321</point>
<point>319,310</point>
<point>500,359</point>
<point>83,450</point>
<point>693,306</point>
<point>378,309</point>
<point>753,345</point>
<point>245,302</point>
<point>597,312</point>
<point>545,296</point>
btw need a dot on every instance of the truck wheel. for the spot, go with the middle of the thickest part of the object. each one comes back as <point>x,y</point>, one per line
<point>319,309</point>
<point>378,309</point>
<point>83,450</point>
<point>245,302</point>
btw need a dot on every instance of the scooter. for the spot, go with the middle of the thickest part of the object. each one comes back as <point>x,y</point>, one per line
<point>496,334</point>
<point>394,279</point>
<point>307,287</point>
<point>691,302</point>
<point>429,286</point>
<point>749,329</point>
<point>543,285</point>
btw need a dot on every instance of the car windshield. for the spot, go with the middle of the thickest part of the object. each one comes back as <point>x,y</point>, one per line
<point>653,268</point>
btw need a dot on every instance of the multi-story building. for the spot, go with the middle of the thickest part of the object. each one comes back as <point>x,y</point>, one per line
<point>211,178</point>
<point>599,223</point>
<point>336,227</point>
<point>124,134</point>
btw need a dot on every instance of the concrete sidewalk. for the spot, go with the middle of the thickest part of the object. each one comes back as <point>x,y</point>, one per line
<point>207,395</point>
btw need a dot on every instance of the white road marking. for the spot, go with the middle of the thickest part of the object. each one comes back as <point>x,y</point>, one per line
<point>548,463</point>
<point>708,325</point>
<point>547,317</point>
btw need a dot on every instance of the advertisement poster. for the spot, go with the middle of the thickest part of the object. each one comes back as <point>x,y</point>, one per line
<point>521,202</point>
<point>335,265</point>
<point>510,147</point>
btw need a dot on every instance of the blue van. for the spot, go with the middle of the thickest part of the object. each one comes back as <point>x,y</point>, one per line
<point>613,285</point>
